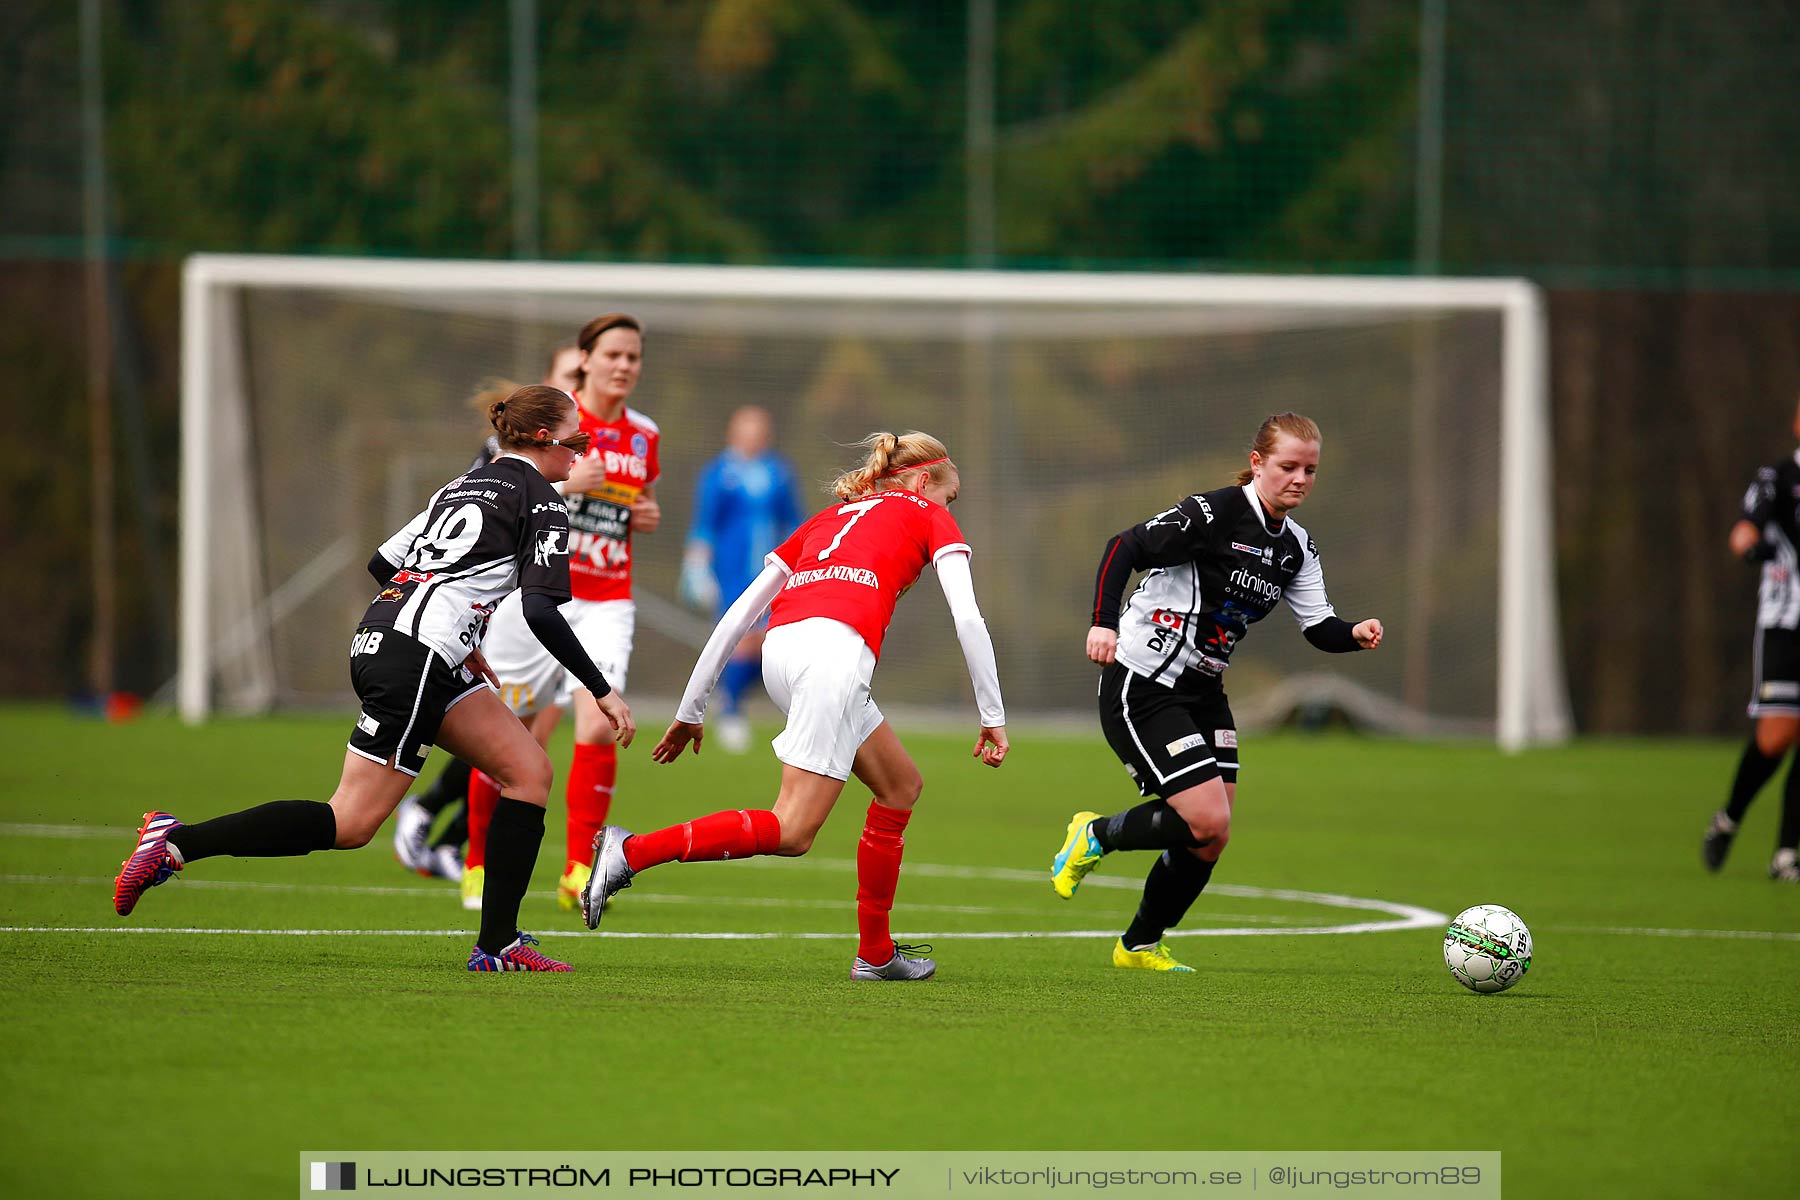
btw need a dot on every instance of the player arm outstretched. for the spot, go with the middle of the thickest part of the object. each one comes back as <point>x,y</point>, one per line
<point>690,717</point>
<point>978,653</point>
<point>1319,622</point>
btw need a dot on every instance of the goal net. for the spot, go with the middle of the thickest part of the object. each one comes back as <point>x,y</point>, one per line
<point>324,400</point>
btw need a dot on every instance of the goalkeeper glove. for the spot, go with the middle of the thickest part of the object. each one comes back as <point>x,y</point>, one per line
<point>697,587</point>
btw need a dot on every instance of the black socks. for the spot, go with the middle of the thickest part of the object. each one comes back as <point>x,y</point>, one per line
<point>278,829</point>
<point>1152,825</point>
<point>1754,770</point>
<point>514,834</point>
<point>1175,882</point>
<point>1790,809</point>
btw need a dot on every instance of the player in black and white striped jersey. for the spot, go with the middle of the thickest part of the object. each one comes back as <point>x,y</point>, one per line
<point>414,663</point>
<point>1218,562</point>
<point>1767,535</point>
<point>414,846</point>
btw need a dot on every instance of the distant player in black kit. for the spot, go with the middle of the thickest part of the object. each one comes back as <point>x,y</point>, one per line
<point>1767,535</point>
<point>1219,562</point>
<point>414,663</point>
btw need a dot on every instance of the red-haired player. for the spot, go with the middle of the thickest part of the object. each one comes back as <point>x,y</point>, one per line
<point>830,590</point>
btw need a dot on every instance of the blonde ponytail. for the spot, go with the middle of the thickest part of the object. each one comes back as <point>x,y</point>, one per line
<point>886,456</point>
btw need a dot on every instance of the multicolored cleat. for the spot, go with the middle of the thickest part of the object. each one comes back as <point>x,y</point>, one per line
<point>1150,958</point>
<point>571,885</point>
<point>520,956</point>
<point>1079,855</point>
<point>149,864</point>
<point>909,962</point>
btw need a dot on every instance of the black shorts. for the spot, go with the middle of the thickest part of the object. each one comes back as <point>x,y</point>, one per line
<point>1775,686</point>
<point>1168,740</point>
<point>405,689</point>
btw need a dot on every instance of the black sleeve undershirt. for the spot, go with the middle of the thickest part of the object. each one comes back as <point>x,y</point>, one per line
<point>553,633</point>
<point>1334,635</point>
<point>381,568</point>
<point>1117,562</point>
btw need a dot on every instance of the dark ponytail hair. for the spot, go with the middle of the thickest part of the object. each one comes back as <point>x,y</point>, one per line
<point>526,410</point>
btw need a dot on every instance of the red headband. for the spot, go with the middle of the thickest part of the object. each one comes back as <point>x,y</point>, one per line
<point>915,466</point>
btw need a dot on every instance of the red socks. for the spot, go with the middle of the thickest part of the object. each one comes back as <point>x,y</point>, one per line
<point>590,792</point>
<point>484,793</point>
<point>736,833</point>
<point>877,875</point>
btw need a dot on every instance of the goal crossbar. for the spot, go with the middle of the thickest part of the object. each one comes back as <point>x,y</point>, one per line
<point>1532,701</point>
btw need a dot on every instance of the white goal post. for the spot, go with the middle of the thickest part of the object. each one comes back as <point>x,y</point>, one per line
<point>1474,351</point>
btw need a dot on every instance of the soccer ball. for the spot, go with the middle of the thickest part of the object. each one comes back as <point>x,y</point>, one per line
<point>1487,948</point>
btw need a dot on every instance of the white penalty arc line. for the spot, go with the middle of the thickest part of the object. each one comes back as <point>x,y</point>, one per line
<point>1406,916</point>
<point>1403,916</point>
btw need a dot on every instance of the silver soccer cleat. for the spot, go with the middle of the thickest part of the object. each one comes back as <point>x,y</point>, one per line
<point>909,962</point>
<point>611,874</point>
<point>412,826</point>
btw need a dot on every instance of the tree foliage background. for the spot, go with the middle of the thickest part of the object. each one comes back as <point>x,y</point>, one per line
<point>1633,156</point>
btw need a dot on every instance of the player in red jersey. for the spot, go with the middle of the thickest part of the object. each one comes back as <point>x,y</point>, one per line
<point>611,494</point>
<point>830,590</point>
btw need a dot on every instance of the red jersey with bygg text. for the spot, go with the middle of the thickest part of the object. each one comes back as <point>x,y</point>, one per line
<point>855,560</point>
<point>600,520</point>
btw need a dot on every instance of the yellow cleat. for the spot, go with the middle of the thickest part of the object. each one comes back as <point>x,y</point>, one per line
<point>1156,958</point>
<point>472,880</point>
<point>1079,855</point>
<point>570,886</point>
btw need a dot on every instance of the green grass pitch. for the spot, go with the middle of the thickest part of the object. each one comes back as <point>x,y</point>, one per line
<point>1628,1063</point>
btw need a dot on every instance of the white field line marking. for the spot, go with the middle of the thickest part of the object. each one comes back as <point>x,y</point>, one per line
<point>973,935</point>
<point>835,935</point>
<point>449,895</point>
<point>28,830</point>
<point>1411,917</point>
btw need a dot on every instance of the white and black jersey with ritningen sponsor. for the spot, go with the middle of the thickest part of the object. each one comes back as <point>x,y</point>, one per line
<point>1219,566</point>
<point>496,528</point>
<point>1773,505</point>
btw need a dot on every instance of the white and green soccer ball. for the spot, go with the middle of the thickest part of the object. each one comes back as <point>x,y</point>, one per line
<point>1487,948</point>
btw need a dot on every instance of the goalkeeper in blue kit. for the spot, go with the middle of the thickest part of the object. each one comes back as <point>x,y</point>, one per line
<point>744,506</point>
